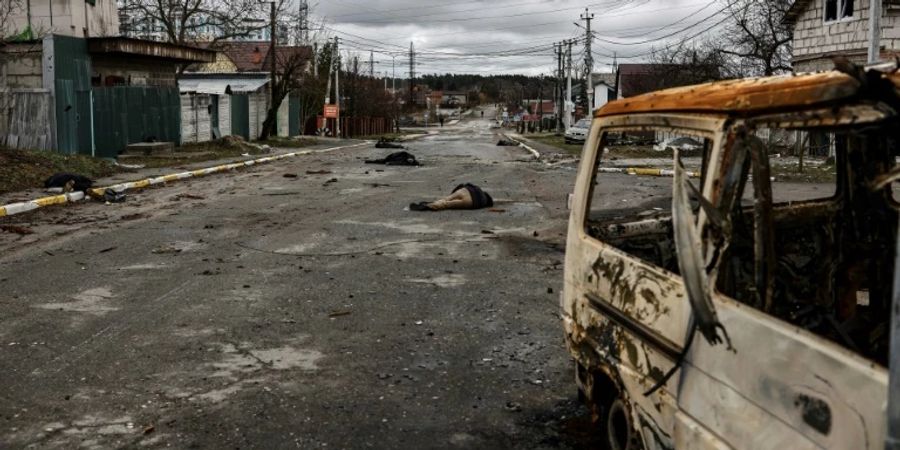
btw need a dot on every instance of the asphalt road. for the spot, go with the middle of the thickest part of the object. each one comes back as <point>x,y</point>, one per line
<point>254,310</point>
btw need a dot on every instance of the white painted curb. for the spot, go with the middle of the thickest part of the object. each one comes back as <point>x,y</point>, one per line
<point>534,152</point>
<point>18,208</point>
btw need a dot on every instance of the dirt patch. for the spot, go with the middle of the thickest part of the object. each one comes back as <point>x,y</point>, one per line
<point>25,169</point>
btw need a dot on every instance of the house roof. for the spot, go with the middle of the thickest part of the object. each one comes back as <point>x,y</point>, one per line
<point>220,86</point>
<point>247,56</point>
<point>744,97</point>
<point>131,47</point>
<point>636,79</point>
<point>608,78</point>
<point>286,54</point>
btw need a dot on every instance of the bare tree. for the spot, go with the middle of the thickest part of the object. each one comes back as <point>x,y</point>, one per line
<point>757,39</point>
<point>192,21</point>
<point>292,67</point>
<point>8,8</point>
<point>685,65</point>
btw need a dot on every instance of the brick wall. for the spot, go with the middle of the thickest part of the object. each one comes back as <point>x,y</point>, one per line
<point>816,42</point>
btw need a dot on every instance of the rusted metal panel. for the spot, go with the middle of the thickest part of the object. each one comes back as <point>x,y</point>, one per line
<point>804,390</point>
<point>151,49</point>
<point>741,97</point>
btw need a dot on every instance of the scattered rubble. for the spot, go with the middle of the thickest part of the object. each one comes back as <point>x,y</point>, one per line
<point>15,229</point>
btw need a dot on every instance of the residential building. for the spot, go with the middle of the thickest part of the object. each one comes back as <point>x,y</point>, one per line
<point>604,88</point>
<point>231,95</point>
<point>92,96</point>
<point>823,29</point>
<point>454,98</point>
<point>73,18</point>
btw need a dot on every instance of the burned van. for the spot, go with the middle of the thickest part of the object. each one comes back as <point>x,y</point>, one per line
<point>734,311</point>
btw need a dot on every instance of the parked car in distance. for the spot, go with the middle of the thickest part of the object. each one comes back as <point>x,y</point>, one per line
<point>683,144</point>
<point>576,134</point>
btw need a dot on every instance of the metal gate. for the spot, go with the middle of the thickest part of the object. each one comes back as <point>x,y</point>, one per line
<point>294,115</point>
<point>128,114</point>
<point>240,115</point>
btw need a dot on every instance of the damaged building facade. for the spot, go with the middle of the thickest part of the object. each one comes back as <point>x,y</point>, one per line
<point>824,29</point>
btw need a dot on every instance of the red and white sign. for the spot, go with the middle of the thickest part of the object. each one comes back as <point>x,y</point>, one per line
<point>331,111</point>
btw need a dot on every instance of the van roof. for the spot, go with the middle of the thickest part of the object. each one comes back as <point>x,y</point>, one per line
<point>744,97</point>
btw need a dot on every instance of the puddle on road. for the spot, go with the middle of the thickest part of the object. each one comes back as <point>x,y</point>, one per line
<point>92,301</point>
<point>245,360</point>
<point>289,358</point>
<point>444,281</point>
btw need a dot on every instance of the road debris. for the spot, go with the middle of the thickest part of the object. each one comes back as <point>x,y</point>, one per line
<point>134,216</point>
<point>290,175</point>
<point>318,172</point>
<point>15,229</point>
<point>339,314</point>
<point>188,196</point>
<point>165,249</point>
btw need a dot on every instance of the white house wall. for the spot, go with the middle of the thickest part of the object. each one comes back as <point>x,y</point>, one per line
<point>257,112</point>
<point>76,18</point>
<point>284,112</point>
<point>225,115</point>
<point>195,118</point>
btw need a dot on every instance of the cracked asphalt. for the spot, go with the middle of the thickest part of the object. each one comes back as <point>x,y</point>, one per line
<point>259,310</point>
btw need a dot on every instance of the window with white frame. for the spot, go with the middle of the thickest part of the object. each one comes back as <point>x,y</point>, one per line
<point>838,9</point>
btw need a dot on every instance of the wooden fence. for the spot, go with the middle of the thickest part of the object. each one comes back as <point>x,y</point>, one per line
<point>25,119</point>
<point>351,126</point>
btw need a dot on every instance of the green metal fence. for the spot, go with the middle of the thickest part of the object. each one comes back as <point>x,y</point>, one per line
<point>128,114</point>
<point>294,115</point>
<point>240,115</point>
<point>72,83</point>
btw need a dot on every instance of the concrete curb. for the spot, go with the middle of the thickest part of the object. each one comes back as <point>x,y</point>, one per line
<point>18,208</point>
<point>535,153</point>
<point>646,171</point>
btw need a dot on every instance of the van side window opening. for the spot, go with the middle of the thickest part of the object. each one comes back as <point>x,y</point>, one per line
<point>833,236</point>
<point>638,219</point>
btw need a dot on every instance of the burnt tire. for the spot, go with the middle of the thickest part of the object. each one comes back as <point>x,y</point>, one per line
<point>621,433</point>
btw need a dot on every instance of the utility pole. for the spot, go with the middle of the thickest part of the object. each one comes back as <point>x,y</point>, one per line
<point>371,64</point>
<point>337,87</point>
<point>315,60</point>
<point>540,108</point>
<point>569,86</point>
<point>588,60</point>
<point>559,89</point>
<point>304,22</point>
<point>273,62</point>
<point>874,31</point>
<point>412,74</point>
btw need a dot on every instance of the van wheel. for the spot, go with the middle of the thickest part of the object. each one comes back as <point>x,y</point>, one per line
<point>620,432</point>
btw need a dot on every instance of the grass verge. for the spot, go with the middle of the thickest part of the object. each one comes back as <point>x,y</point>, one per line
<point>25,169</point>
<point>558,142</point>
<point>225,148</point>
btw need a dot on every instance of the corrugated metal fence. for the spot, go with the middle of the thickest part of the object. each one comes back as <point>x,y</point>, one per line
<point>127,114</point>
<point>25,119</point>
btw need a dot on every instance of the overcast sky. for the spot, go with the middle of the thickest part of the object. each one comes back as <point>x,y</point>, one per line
<point>508,36</point>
